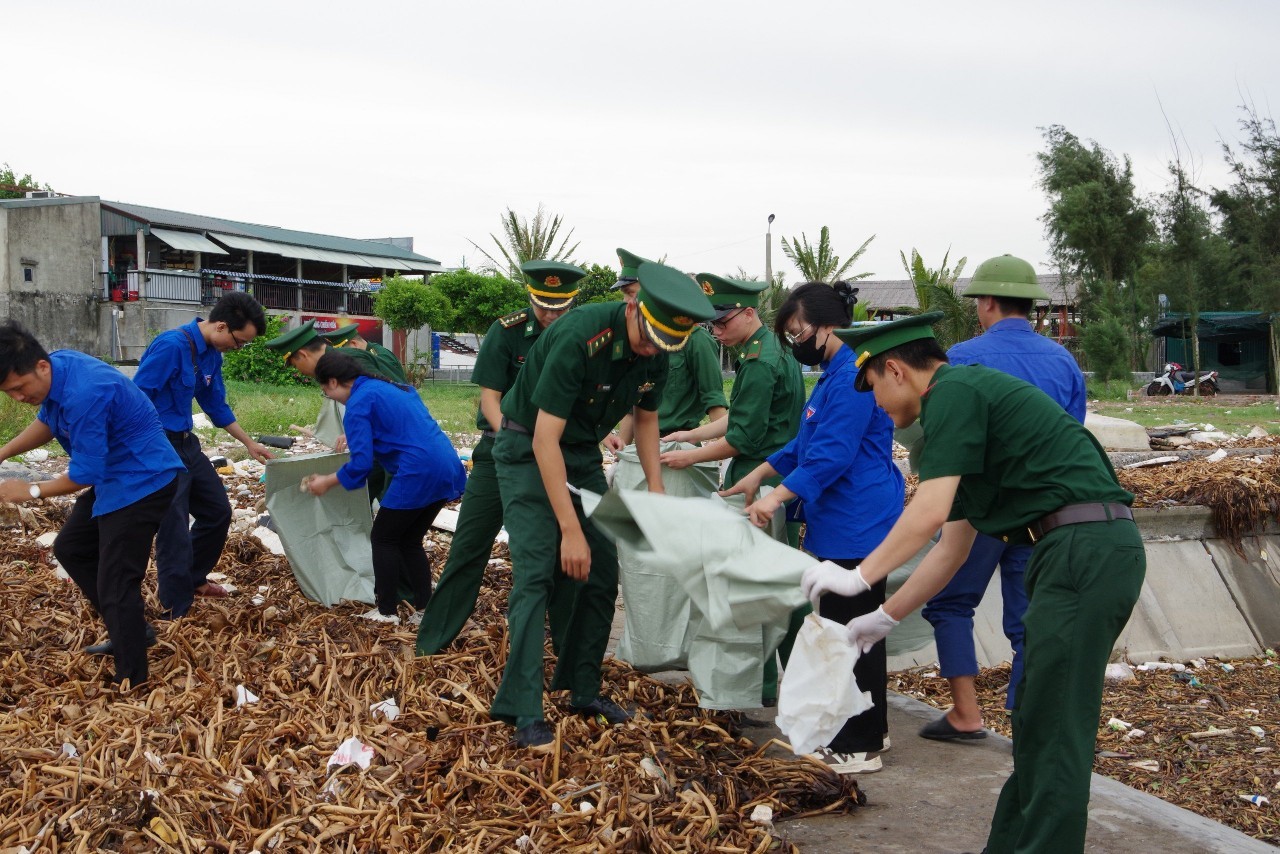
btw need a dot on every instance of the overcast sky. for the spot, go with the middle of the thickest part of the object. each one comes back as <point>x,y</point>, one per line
<point>668,128</point>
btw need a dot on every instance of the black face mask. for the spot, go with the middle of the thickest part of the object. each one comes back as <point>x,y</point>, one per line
<point>808,352</point>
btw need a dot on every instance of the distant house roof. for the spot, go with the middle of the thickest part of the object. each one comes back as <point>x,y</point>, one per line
<point>900,294</point>
<point>121,218</point>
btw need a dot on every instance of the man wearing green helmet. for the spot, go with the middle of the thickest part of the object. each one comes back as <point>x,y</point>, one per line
<point>1002,457</point>
<point>1005,289</point>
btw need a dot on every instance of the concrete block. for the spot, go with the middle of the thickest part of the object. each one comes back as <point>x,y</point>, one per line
<point>1185,610</point>
<point>1117,434</point>
<point>1253,580</point>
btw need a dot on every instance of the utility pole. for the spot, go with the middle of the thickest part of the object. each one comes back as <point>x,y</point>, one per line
<point>768,252</point>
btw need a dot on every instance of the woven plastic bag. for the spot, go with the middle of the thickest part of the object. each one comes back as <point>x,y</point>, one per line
<point>819,692</point>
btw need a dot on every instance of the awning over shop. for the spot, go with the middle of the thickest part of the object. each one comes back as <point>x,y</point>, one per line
<point>188,241</point>
<point>310,253</point>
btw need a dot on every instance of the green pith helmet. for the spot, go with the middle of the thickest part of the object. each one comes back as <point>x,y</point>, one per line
<point>1005,276</point>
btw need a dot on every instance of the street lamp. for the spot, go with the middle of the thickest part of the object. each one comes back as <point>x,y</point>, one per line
<point>768,251</point>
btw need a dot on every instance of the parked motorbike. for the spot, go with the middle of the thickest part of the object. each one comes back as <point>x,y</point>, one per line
<point>1175,380</point>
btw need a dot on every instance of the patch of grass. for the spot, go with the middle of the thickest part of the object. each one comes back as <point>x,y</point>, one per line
<point>271,409</point>
<point>1110,390</point>
<point>1234,419</point>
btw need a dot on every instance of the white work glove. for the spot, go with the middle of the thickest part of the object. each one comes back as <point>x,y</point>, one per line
<point>828,577</point>
<point>866,631</point>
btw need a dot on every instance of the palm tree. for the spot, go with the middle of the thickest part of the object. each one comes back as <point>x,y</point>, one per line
<point>936,291</point>
<point>819,263</point>
<point>528,240</point>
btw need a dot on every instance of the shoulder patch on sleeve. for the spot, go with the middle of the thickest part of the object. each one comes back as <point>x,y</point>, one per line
<point>753,350</point>
<point>514,319</point>
<point>599,341</point>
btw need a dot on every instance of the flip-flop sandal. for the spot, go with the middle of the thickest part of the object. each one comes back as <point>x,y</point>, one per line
<point>942,730</point>
<point>213,590</point>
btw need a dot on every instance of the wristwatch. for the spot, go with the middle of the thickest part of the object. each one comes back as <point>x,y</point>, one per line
<point>34,489</point>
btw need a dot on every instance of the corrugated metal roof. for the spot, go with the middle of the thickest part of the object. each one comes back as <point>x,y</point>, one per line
<point>901,293</point>
<point>188,240</point>
<point>374,251</point>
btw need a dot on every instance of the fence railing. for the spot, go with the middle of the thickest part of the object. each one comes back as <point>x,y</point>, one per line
<point>274,292</point>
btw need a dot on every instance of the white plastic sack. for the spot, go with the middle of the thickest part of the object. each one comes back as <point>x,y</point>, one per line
<point>819,692</point>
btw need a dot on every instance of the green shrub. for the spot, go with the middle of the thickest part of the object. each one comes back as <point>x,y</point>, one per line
<point>1106,348</point>
<point>255,363</point>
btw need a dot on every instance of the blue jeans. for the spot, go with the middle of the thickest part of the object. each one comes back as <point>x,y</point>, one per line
<point>950,612</point>
<point>185,552</point>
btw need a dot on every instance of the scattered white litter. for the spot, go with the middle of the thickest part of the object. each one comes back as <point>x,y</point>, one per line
<point>586,807</point>
<point>352,750</point>
<point>388,708</point>
<point>1154,461</point>
<point>1175,666</point>
<point>45,541</point>
<point>38,455</point>
<point>762,814</point>
<point>258,599</point>
<point>1146,765</point>
<point>244,696</point>
<point>1258,433</point>
<point>200,421</point>
<point>218,577</point>
<point>1119,725</point>
<point>1134,734</point>
<point>268,538</point>
<point>502,536</point>
<point>1217,456</point>
<point>446,520</point>
<point>1119,672</point>
<point>69,749</point>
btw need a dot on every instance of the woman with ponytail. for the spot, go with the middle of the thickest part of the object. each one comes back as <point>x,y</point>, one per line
<point>839,478</point>
<point>388,423</point>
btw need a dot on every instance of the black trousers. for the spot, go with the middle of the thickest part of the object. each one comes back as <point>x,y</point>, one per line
<point>107,558</point>
<point>187,552</point>
<point>398,555</point>
<point>864,732</point>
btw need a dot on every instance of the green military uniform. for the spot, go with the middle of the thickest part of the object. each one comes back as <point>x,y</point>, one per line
<point>581,369</point>
<point>765,405</point>
<point>768,389</point>
<point>295,339</point>
<point>694,386</point>
<point>1021,457</point>
<point>386,362</point>
<point>505,347</point>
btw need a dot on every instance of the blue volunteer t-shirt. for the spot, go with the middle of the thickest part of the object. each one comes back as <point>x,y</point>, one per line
<point>1014,347</point>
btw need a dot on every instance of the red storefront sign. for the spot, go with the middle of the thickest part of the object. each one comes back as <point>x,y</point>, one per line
<point>370,327</point>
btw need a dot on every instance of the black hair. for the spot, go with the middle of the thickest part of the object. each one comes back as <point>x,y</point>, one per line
<point>237,309</point>
<point>313,345</point>
<point>919,354</point>
<point>337,365</point>
<point>1020,306</point>
<point>19,350</point>
<point>822,304</point>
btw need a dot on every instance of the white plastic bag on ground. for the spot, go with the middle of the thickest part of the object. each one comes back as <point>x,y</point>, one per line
<point>819,692</point>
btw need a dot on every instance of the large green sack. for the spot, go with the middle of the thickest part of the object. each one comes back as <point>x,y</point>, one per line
<point>741,582</point>
<point>326,539</point>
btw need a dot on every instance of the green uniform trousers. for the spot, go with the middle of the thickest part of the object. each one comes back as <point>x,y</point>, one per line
<point>1082,583</point>
<point>479,521</point>
<point>740,467</point>
<point>538,584</point>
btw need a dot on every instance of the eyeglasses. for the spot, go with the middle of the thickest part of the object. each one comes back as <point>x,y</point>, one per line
<point>793,340</point>
<point>722,322</point>
<point>239,343</point>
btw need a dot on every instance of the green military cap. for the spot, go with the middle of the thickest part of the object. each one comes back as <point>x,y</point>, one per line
<point>294,340</point>
<point>871,340</point>
<point>730,294</point>
<point>552,284</point>
<point>670,305</point>
<point>1005,276</point>
<point>629,265</point>
<point>341,335</point>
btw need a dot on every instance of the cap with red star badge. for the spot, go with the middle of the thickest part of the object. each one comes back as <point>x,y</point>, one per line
<point>728,295</point>
<point>670,305</point>
<point>552,284</point>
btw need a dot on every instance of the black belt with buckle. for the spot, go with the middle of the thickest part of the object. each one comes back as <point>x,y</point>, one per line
<point>515,426</point>
<point>489,434</point>
<point>1076,514</point>
<point>177,435</point>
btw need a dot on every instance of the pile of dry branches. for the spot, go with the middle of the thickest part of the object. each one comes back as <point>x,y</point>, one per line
<point>177,765</point>
<point>1206,738</point>
<point>1243,492</point>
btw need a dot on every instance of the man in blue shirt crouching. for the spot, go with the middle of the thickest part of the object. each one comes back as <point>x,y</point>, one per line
<point>118,450</point>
